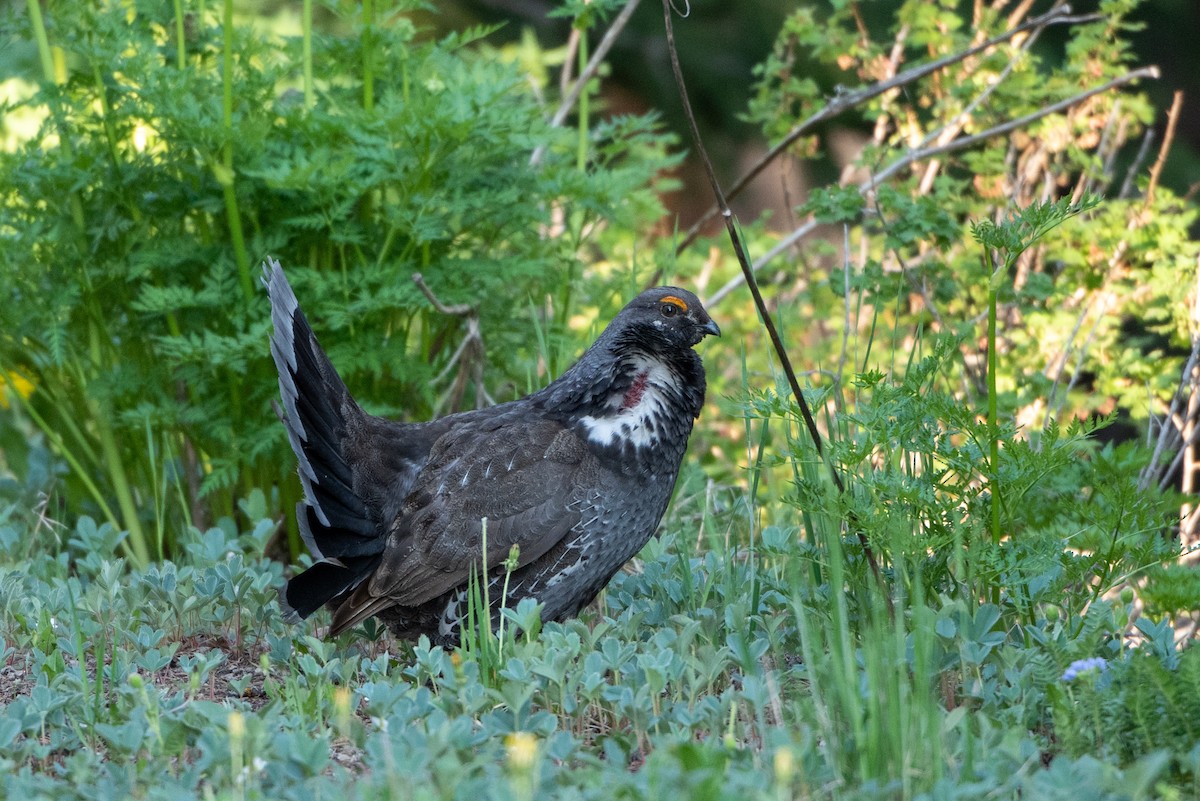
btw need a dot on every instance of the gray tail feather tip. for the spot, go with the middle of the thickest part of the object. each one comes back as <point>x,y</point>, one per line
<point>290,615</point>
<point>269,266</point>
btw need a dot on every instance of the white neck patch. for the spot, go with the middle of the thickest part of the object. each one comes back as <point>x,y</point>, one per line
<point>635,415</point>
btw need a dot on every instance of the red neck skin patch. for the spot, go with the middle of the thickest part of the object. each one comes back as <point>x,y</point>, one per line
<point>633,395</point>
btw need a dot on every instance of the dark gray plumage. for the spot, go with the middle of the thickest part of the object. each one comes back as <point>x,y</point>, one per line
<point>577,475</point>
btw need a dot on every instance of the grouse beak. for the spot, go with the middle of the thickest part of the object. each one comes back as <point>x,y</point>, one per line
<point>711,328</point>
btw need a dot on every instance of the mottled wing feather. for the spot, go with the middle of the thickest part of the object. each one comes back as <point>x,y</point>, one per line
<point>520,475</point>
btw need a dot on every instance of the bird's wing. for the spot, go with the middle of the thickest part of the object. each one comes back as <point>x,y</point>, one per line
<point>520,475</point>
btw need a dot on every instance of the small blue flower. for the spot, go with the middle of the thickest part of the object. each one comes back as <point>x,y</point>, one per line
<point>1081,666</point>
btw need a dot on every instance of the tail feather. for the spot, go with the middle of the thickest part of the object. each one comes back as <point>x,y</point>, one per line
<point>324,581</point>
<point>335,542</point>
<point>319,414</point>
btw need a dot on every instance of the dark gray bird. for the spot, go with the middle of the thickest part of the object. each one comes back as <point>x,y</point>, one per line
<point>577,475</point>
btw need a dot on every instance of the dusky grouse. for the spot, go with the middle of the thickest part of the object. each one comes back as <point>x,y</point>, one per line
<point>577,475</point>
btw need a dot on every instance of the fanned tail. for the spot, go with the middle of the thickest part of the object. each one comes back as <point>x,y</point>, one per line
<point>321,418</point>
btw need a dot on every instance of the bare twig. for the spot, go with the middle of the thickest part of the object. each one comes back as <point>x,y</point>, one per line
<point>468,356</point>
<point>1136,166</point>
<point>735,237</point>
<point>1020,122</point>
<point>954,127</point>
<point>1185,446</point>
<point>1020,11</point>
<point>1187,483</point>
<point>921,154</point>
<point>847,100</point>
<point>893,65</point>
<point>947,133</point>
<point>1168,137</point>
<point>1167,434</point>
<point>568,102</point>
<point>1114,263</point>
<point>1187,381</point>
<point>845,302</point>
<point>1055,412</point>
<point>1111,140</point>
<point>1189,513</point>
<point>569,57</point>
<point>459,310</point>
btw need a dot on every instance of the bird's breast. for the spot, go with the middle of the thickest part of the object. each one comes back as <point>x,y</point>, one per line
<point>641,414</point>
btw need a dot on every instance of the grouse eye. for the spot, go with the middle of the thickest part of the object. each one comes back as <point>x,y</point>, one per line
<point>669,309</point>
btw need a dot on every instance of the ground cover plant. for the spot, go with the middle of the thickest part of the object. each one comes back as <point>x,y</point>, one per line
<point>994,604</point>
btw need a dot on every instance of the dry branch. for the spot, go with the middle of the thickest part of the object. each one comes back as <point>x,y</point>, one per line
<point>469,356</point>
<point>568,102</point>
<point>921,154</point>
<point>845,101</point>
<point>739,248</point>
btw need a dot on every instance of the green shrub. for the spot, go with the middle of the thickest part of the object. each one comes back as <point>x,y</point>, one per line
<point>751,652</point>
<point>177,151</point>
<point>968,337</point>
<point>964,331</point>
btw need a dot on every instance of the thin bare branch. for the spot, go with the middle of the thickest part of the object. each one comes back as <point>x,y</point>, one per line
<point>846,295</point>
<point>569,58</point>
<point>460,310</point>
<point>568,102</point>
<point>1188,517</point>
<point>921,154</point>
<point>1020,11</point>
<point>1114,262</point>
<point>1111,140</point>
<point>1053,411</point>
<point>849,99</point>
<point>764,314</point>
<point>468,358</point>
<point>1168,138</point>
<point>1012,125</point>
<point>954,127</point>
<point>1166,432</point>
<point>1136,166</point>
<point>1185,446</point>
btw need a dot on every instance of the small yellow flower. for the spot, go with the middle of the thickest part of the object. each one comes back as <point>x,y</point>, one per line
<point>237,726</point>
<point>342,714</point>
<point>341,701</point>
<point>14,382</point>
<point>522,750</point>
<point>785,766</point>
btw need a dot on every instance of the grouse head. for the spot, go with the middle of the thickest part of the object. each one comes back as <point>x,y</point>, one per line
<point>661,320</point>
<point>637,390</point>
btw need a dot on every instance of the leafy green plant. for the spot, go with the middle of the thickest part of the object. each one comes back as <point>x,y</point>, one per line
<point>175,154</point>
<point>1011,238</point>
<point>1016,506</point>
<point>674,675</point>
<point>998,127</point>
<point>749,652</point>
<point>1142,704</point>
<point>489,618</point>
<point>1168,590</point>
<point>963,434</point>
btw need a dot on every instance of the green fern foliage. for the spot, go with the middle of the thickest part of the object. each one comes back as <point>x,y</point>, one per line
<point>134,218</point>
